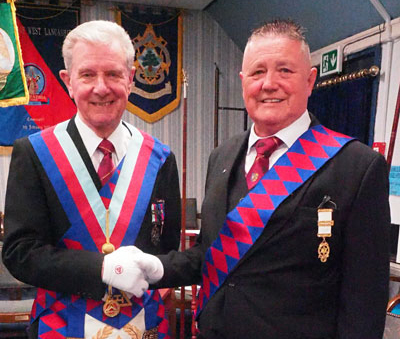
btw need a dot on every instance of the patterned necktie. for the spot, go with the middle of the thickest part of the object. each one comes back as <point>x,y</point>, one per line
<point>264,148</point>
<point>106,167</point>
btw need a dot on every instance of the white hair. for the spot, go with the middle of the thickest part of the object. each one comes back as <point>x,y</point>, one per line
<point>100,32</point>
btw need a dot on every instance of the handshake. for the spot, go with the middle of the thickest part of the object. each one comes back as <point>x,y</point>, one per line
<point>131,270</point>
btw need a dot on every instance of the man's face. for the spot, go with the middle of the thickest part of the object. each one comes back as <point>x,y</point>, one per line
<point>100,83</point>
<point>277,80</point>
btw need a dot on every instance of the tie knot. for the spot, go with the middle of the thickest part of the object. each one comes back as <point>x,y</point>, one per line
<point>267,146</point>
<point>106,147</point>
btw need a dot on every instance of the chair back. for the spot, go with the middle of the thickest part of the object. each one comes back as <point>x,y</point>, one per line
<point>191,214</point>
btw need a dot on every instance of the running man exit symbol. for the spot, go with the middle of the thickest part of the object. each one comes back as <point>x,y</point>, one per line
<point>331,62</point>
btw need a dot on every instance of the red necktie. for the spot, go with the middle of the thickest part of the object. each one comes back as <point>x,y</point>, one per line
<point>264,148</point>
<point>106,167</point>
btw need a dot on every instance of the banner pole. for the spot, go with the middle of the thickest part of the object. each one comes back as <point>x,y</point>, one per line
<point>394,131</point>
<point>183,221</point>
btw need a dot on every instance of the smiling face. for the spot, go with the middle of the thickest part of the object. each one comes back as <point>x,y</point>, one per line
<point>277,80</point>
<point>100,83</point>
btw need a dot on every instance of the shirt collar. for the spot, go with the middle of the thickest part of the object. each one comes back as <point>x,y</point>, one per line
<point>91,140</point>
<point>288,135</point>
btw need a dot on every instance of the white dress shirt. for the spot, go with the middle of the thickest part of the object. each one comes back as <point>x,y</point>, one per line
<point>120,138</point>
<point>288,135</point>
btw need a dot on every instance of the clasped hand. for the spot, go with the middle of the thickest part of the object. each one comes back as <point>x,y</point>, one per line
<point>131,270</point>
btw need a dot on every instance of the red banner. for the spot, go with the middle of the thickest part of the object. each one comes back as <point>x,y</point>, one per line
<point>42,30</point>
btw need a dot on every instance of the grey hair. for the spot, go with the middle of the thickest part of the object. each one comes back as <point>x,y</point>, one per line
<point>285,27</point>
<point>101,32</point>
<point>282,27</point>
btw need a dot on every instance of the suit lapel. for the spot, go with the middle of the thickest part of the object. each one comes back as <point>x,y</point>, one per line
<point>232,161</point>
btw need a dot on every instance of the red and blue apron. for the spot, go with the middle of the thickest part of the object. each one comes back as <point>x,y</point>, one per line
<point>128,191</point>
<point>245,223</point>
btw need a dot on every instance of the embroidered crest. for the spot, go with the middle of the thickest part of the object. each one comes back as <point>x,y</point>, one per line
<point>36,82</point>
<point>7,57</point>
<point>152,62</point>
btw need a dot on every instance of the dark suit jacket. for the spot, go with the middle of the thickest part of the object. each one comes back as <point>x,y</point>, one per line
<point>280,289</point>
<point>35,221</point>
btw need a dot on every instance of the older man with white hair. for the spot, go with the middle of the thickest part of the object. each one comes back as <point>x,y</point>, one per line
<point>81,192</point>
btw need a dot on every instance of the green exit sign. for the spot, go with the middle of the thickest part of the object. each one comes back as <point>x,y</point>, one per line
<point>331,62</point>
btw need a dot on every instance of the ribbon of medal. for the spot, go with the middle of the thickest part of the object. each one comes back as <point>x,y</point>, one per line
<point>114,302</point>
<point>325,223</point>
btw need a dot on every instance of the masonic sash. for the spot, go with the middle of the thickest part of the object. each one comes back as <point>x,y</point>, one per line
<point>245,223</point>
<point>128,191</point>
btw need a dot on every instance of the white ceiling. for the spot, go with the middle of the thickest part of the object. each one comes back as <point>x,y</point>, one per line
<point>187,4</point>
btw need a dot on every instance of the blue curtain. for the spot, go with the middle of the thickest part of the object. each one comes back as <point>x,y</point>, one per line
<point>345,107</point>
<point>349,107</point>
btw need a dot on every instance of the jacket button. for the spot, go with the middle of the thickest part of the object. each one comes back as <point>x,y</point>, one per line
<point>231,284</point>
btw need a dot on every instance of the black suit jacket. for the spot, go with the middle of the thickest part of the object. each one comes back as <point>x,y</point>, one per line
<point>35,221</point>
<point>280,289</point>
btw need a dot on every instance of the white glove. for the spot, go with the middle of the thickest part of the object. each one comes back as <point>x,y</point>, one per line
<point>121,271</point>
<point>151,266</point>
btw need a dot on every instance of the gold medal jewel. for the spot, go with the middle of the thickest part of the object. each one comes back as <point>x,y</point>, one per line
<point>323,250</point>
<point>114,302</point>
<point>111,307</point>
<point>325,224</point>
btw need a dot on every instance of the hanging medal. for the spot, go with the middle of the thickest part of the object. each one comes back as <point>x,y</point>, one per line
<point>114,302</point>
<point>325,223</point>
<point>157,219</point>
<point>111,307</point>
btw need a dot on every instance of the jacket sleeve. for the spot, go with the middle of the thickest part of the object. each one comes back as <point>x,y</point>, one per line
<point>34,222</point>
<point>184,268</point>
<point>365,264</point>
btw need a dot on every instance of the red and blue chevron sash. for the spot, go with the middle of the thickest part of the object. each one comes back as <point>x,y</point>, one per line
<point>129,191</point>
<point>245,223</point>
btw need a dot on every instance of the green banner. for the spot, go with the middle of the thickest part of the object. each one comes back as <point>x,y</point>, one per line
<point>13,89</point>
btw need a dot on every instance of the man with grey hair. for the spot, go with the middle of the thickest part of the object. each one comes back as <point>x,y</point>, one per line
<point>295,219</point>
<point>81,192</point>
